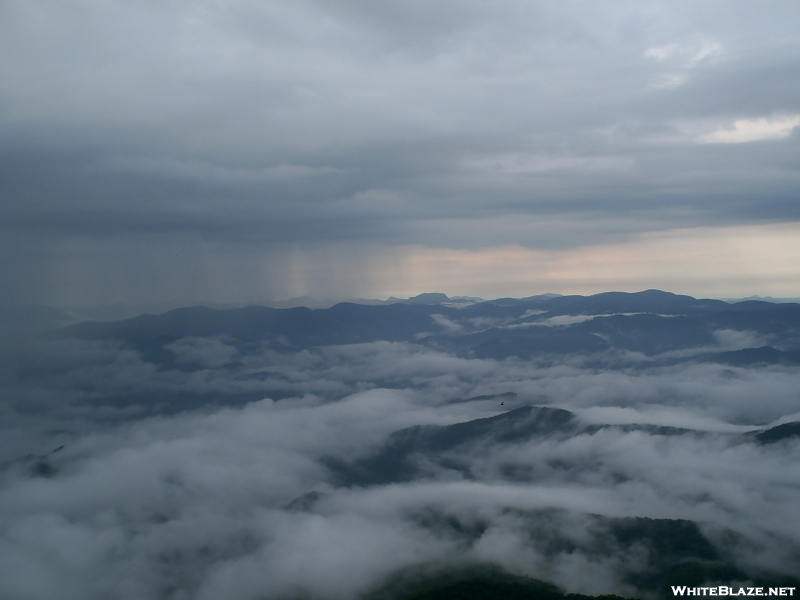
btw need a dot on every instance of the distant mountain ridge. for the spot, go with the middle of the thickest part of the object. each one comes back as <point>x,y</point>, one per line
<point>120,311</point>
<point>649,323</point>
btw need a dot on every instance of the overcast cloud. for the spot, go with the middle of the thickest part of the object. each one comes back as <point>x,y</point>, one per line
<point>248,150</point>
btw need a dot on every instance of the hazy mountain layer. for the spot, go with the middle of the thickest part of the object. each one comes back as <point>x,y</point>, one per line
<point>613,444</point>
<point>651,323</point>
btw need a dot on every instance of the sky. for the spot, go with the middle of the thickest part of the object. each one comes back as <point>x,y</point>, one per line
<point>242,150</point>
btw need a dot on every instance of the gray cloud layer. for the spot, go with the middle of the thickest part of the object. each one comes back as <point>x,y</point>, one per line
<point>245,128</point>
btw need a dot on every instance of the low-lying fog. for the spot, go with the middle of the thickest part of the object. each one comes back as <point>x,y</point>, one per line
<point>263,489</point>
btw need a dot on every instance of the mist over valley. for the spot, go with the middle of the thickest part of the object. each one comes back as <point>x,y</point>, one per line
<point>609,444</point>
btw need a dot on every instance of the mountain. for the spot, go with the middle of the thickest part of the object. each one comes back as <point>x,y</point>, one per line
<point>401,457</point>
<point>426,298</point>
<point>651,323</point>
<point>670,551</point>
<point>354,429</point>
<point>423,450</point>
<point>779,433</point>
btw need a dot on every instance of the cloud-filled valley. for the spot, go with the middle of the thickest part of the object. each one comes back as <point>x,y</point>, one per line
<point>250,459</point>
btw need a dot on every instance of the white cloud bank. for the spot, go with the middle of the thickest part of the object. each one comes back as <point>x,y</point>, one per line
<point>192,505</point>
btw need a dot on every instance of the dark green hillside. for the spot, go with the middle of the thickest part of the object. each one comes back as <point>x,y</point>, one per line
<point>410,453</point>
<point>475,582</point>
<point>498,588</point>
<point>780,432</point>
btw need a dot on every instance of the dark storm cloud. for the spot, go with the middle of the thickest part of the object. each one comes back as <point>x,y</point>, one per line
<point>224,118</point>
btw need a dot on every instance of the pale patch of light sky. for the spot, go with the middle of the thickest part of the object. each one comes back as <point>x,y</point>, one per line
<point>709,262</point>
<point>753,130</point>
